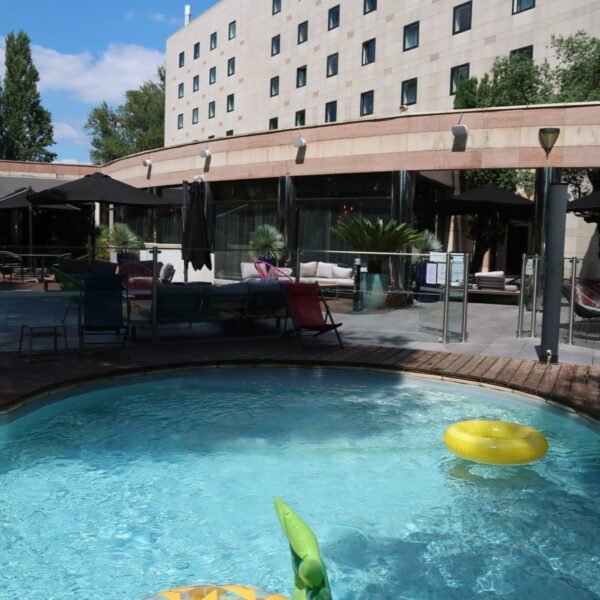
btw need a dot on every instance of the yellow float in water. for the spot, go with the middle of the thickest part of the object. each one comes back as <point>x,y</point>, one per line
<point>495,442</point>
<point>217,592</point>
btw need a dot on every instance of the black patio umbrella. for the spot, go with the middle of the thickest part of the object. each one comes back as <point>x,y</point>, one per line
<point>98,188</point>
<point>19,199</point>
<point>486,199</point>
<point>195,248</point>
<point>587,203</point>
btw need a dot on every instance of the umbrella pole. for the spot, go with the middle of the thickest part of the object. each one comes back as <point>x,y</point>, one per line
<point>30,230</point>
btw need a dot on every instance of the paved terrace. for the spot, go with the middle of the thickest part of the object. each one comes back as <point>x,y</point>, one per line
<point>574,386</point>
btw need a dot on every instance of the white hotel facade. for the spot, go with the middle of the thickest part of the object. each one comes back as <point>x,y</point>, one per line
<point>247,66</point>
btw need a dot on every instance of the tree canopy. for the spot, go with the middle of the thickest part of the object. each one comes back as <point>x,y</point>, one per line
<point>25,125</point>
<point>134,126</point>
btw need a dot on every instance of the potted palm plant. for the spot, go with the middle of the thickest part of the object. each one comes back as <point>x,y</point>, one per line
<point>267,244</point>
<point>124,242</point>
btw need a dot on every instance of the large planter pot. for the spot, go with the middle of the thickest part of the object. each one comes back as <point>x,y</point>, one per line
<point>376,288</point>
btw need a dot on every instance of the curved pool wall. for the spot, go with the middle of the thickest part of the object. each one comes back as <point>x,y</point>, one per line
<point>164,481</point>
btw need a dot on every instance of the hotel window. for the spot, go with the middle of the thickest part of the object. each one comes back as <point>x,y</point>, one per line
<point>300,118</point>
<point>181,59</point>
<point>275,45</point>
<point>180,121</point>
<point>274,86</point>
<point>212,75</point>
<point>457,74</point>
<point>521,5</point>
<point>302,32</point>
<point>461,20</point>
<point>232,30</point>
<point>411,36</point>
<point>526,51</point>
<point>194,116</point>
<point>229,132</point>
<point>180,90</point>
<point>301,76</point>
<point>197,50</point>
<point>332,65</point>
<point>196,83</point>
<point>231,66</point>
<point>367,101</point>
<point>369,6</point>
<point>230,102</point>
<point>368,52</point>
<point>409,92</point>
<point>276,6</point>
<point>274,123</point>
<point>333,19</point>
<point>331,112</point>
<point>211,110</point>
<point>213,40</point>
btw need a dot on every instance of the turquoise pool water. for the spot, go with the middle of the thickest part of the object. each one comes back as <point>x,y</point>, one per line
<point>122,492</point>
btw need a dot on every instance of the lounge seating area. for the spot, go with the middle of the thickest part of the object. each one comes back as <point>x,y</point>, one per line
<point>324,273</point>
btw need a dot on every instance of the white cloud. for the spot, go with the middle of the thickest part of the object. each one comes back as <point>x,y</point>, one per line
<point>130,15</point>
<point>121,67</point>
<point>162,18</point>
<point>70,161</point>
<point>65,132</point>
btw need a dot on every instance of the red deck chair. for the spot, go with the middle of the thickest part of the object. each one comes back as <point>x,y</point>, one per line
<point>304,309</point>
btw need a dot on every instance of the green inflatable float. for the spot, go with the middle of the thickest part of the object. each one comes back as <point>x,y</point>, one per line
<point>310,576</point>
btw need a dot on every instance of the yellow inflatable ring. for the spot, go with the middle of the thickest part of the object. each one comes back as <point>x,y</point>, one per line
<point>217,592</point>
<point>495,442</point>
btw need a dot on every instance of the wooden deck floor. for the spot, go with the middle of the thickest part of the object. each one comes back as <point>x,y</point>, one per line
<point>574,386</point>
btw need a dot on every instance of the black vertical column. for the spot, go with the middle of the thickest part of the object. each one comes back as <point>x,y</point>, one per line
<point>544,177</point>
<point>554,233</point>
<point>210,213</point>
<point>403,193</point>
<point>286,217</point>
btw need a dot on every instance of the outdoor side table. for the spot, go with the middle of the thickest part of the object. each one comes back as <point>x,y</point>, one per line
<point>42,331</point>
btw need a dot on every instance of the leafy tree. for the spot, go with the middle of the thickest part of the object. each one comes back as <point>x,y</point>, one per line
<point>134,126</point>
<point>25,125</point>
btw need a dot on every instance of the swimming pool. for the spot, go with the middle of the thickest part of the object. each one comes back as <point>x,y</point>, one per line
<point>165,481</point>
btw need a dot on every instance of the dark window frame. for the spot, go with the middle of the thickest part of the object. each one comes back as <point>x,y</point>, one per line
<point>195,116</point>
<point>454,70</point>
<point>273,121</point>
<point>296,119</point>
<point>456,31</point>
<point>273,39</point>
<point>230,106</point>
<point>363,98</point>
<point>180,121</point>
<point>405,84</point>
<point>195,83</point>
<point>371,5</point>
<point>523,51</point>
<point>333,11</point>
<point>180,90</point>
<point>229,27</point>
<point>182,59</point>
<point>231,66</point>
<point>229,133</point>
<point>337,64</point>
<point>276,7</point>
<point>274,86</point>
<point>515,4</point>
<point>303,27</point>
<point>301,71</point>
<point>328,105</point>
<point>213,41</point>
<point>367,47</point>
<point>196,50</point>
<point>406,48</point>
<point>212,109</point>
<point>212,76</point>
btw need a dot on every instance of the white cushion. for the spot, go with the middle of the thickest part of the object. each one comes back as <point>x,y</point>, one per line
<point>490,274</point>
<point>325,269</point>
<point>278,272</point>
<point>308,269</point>
<point>342,272</point>
<point>248,270</point>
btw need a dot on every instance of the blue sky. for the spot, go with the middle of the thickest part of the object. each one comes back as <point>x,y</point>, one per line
<point>87,52</point>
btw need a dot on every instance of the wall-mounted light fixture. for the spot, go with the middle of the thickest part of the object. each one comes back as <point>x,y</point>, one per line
<point>460,130</point>
<point>299,142</point>
<point>148,164</point>
<point>548,137</point>
<point>198,178</point>
<point>205,153</point>
<point>460,133</point>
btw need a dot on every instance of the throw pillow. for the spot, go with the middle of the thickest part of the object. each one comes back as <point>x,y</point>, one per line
<point>308,269</point>
<point>342,272</point>
<point>325,270</point>
<point>166,273</point>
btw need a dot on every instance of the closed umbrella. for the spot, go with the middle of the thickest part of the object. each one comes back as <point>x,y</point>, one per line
<point>195,248</point>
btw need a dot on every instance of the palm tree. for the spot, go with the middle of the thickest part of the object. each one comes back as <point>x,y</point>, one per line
<point>267,244</point>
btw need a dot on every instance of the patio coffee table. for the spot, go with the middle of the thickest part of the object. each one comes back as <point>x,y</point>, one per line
<point>42,331</point>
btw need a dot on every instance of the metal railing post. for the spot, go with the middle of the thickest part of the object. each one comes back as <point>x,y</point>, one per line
<point>465,298</point>
<point>356,304</point>
<point>446,301</point>
<point>572,298</point>
<point>536,270</point>
<point>522,296</point>
<point>297,264</point>
<point>155,252</point>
